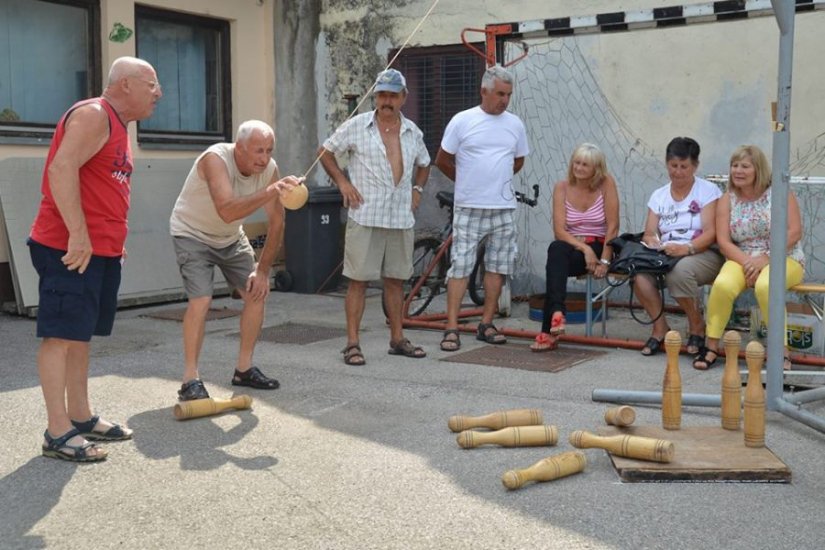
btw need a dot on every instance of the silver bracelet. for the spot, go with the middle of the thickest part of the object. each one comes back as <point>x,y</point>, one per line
<point>418,188</point>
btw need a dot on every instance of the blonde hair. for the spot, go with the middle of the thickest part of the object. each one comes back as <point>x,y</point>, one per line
<point>594,156</point>
<point>760,165</point>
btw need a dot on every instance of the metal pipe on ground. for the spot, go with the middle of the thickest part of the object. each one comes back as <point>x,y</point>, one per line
<point>435,322</point>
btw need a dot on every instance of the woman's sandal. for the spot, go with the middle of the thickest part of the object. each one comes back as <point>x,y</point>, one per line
<point>115,433</point>
<point>494,337</point>
<point>59,447</point>
<point>696,341</point>
<point>653,346</point>
<point>353,355</point>
<point>448,343</point>
<point>702,360</point>
<point>405,348</point>
<point>544,342</point>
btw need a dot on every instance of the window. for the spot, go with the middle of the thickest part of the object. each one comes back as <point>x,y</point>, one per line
<point>442,80</point>
<point>49,59</point>
<point>191,57</point>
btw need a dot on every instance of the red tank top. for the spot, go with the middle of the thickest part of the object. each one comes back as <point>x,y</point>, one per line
<point>104,191</point>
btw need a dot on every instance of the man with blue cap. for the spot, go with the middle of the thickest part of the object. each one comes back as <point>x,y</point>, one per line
<point>388,168</point>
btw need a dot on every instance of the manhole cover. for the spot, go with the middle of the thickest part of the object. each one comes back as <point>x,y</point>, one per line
<point>177,314</point>
<point>297,333</point>
<point>520,357</point>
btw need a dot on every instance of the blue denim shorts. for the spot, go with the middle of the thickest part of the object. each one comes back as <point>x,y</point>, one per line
<point>75,306</point>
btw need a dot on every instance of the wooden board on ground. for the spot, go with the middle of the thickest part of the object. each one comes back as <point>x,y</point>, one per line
<point>703,453</point>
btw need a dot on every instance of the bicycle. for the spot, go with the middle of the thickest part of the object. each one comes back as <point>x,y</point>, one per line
<point>431,260</point>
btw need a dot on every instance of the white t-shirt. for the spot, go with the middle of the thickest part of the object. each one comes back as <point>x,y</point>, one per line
<point>485,147</point>
<point>681,221</point>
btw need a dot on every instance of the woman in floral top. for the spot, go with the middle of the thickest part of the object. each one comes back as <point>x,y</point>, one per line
<point>680,222</point>
<point>743,231</point>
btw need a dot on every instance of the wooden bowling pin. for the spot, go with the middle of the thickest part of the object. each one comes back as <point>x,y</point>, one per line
<point>620,416</point>
<point>514,436</point>
<point>731,382</point>
<point>630,446</point>
<point>754,396</point>
<point>672,384</point>
<point>547,469</point>
<point>207,407</point>
<point>497,420</point>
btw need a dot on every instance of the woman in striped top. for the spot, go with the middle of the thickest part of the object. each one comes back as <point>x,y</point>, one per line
<point>585,217</point>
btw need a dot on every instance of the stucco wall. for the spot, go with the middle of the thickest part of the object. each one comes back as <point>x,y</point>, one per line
<point>252,75</point>
<point>629,92</point>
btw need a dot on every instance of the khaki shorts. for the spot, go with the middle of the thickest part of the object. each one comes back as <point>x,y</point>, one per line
<point>197,262</point>
<point>372,253</point>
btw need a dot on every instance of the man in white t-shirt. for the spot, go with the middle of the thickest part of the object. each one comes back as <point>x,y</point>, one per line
<point>227,183</point>
<point>481,150</point>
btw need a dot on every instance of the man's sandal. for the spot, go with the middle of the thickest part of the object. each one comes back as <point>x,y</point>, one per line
<point>192,391</point>
<point>405,348</point>
<point>254,378</point>
<point>491,337</point>
<point>703,361</point>
<point>353,355</point>
<point>544,342</point>
<point>59,447</point>
<point>115,433</point>
<point>451,341</point>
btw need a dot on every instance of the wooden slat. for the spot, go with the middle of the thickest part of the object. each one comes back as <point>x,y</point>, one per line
<point>809,288</point>
<point>703,453</point>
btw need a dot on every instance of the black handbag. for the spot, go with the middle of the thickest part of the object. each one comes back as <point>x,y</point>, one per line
<point>631,257</point>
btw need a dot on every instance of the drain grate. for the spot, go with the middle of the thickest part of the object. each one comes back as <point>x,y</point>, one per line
<point>520,357</point>
<point>297,333</point>
<point>177,314</point>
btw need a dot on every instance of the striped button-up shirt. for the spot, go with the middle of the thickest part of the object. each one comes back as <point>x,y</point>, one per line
<point>385,204</point>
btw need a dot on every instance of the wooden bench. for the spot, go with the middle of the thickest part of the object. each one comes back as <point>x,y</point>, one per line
<point>805,289</point>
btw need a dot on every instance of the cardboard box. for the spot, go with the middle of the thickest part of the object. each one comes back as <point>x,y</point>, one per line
<point>806,333</point>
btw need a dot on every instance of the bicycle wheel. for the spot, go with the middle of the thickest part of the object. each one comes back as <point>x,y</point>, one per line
<point>424,252</point>
<point>476,284</point>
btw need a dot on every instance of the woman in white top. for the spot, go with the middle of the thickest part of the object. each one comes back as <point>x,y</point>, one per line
<point>681,222</point>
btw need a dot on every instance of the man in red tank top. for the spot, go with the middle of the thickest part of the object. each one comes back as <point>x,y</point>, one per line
<point>76,245</point>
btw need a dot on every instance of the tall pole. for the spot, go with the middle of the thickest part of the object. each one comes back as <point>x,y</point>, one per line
<point>784,12</point>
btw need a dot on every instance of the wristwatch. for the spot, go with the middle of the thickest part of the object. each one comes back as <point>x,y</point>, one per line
<point>691,250</point>
<point>418,188</point>
<point>604,262</point>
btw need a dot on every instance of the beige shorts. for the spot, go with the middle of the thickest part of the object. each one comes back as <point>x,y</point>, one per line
<point>372,253</point>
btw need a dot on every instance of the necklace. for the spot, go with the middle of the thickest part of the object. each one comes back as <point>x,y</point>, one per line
<point>391,126</point>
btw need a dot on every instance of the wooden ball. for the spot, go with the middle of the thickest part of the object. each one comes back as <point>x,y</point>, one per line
<point>296,197</point>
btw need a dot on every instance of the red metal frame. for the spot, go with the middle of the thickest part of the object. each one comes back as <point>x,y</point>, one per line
<point>491,32</point>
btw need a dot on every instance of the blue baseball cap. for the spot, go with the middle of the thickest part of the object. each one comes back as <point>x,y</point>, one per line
<point>390,81</point>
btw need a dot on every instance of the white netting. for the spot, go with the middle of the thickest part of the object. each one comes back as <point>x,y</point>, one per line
<point>562,105</point>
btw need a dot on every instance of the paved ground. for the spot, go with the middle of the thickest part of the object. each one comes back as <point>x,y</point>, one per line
<point>359,458</point>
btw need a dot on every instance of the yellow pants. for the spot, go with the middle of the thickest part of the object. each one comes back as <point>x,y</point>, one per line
<point>731,282</point>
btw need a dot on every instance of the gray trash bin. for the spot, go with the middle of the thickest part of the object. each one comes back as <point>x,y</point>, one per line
<point>312,239</point>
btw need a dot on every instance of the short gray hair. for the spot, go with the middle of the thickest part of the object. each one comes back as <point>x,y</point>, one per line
<point>496,72</point>
<point>126,66</point>
<point>247,128</point>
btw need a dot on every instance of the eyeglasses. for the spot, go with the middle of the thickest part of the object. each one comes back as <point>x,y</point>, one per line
<point>154,85</point>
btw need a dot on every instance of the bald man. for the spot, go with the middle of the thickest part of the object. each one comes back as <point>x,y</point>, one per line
<point>76,245</point>
<point>227,183</point>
